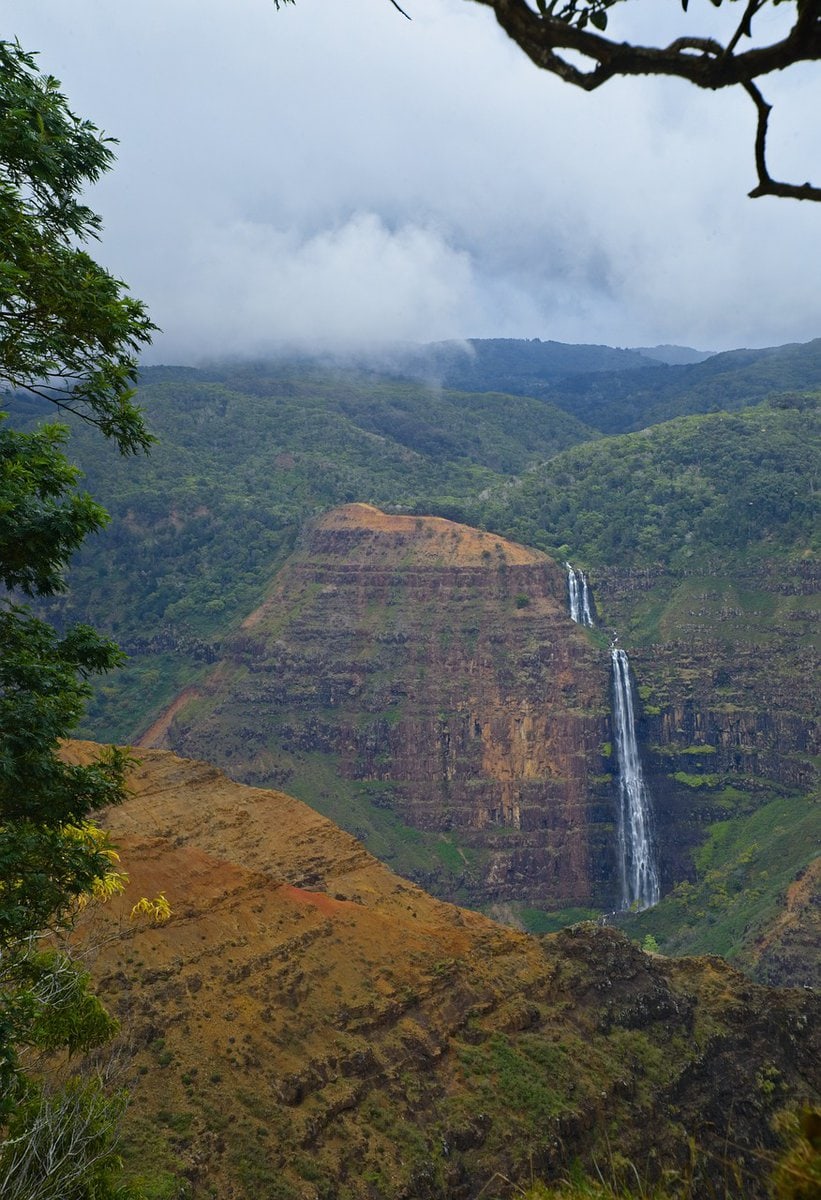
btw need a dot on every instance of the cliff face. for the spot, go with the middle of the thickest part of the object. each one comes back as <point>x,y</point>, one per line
<point>727,666</point>
<point>309,1025</point>
<point>434,668</point>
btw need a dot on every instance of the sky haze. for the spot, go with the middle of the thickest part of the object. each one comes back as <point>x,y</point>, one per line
<point>335,172</point>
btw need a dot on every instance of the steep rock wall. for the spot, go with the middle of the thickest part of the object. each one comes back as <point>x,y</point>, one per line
<point>435,667</point>
<point>726,663</point>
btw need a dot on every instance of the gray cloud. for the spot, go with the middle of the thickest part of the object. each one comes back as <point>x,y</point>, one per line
<point>334,171</point>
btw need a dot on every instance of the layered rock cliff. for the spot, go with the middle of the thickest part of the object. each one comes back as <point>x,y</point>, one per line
<point>729,660</point>
<point>726,662</point>
<point>307,1025</point>
<point>434,668</point>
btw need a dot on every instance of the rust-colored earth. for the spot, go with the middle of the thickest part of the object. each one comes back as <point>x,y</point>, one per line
<point>308,1026</point>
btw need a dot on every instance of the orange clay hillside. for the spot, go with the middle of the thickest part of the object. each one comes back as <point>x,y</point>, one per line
<point>308,1026</point>
<point>370,531</point>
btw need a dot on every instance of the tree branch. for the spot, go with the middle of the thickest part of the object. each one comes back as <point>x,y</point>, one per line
<point>745,25</point>
<point>541,36</point>
<point>703,62</point>
<point>767,186</point>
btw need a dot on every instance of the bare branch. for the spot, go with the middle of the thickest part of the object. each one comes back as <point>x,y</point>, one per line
<point>541,36</point>
<point>703,62</point>
<point>745,25</point>
<point>767,186</point>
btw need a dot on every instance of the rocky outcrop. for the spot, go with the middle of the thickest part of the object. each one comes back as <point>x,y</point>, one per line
<point>309,1025</point>
<point>436,668</point>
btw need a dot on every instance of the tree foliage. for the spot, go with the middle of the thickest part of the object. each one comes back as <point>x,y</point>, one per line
<point>69,332</point>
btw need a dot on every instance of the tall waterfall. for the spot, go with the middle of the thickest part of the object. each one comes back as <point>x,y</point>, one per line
<point>579,597</point>
<point>639,873</point>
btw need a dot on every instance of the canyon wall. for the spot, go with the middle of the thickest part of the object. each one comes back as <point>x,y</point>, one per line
<point>727,667</point>
<point>422,684</point>
<point>435,668</point>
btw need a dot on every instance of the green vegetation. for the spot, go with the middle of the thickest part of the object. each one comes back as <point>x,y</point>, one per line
<point>69,333</point>
<point>537,920</point>
<point>246,456</point>
<point>363,808</point>
<point>529,1077</point>
<point>693,491</point>
<point>695,781</point>
<point>743,869</point>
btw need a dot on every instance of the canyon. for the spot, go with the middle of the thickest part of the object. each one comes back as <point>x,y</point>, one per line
<point>631,738</point>
<point>423,684</point>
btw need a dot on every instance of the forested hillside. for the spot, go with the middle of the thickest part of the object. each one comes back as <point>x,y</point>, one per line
<point>618,390</point>
<point>717,491</point>
<point>245,456</point>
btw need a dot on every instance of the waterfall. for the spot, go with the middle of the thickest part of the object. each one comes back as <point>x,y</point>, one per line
<point>639,873</point>
<point>579,597</point>
<point>587,616</point>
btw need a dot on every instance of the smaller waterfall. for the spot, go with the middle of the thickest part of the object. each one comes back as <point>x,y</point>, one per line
<point>639,873</point>
<point>579,597</point>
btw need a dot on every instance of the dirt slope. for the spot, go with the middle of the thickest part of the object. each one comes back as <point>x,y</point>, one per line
<point>310,1026</point>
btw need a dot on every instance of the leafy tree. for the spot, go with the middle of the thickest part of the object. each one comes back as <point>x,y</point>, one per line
<point>69,332</point>
<point>567,38</point>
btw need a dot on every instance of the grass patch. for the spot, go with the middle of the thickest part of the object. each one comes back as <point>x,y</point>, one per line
<point>363,808</point>
<point>537,920</point>
<point>695,781</point>
<point>160,1186</point>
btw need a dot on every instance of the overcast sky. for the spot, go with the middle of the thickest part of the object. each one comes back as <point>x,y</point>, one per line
<point>334,171</point>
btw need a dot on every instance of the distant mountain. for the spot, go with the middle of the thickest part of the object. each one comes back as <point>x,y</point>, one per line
<point>617,402</point>
<point>610,390</point>
<point>676,356</point>
<point>513,365</point>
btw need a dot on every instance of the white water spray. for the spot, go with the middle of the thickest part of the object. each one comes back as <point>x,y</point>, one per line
<point>639,873</point>
<point>579,597</point>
